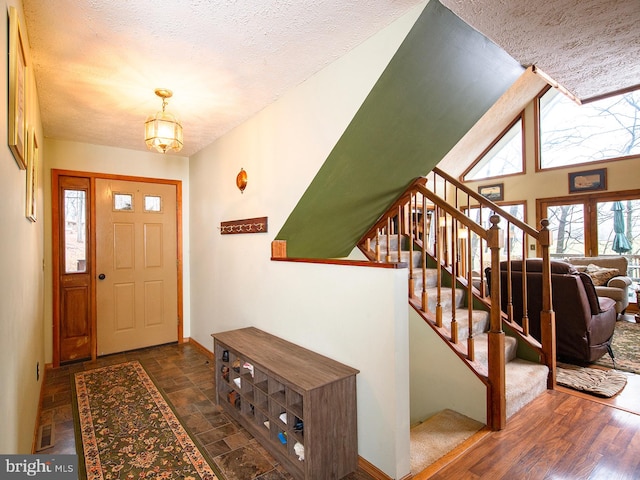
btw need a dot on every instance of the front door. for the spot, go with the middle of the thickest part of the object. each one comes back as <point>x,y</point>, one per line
<point>136,265</point>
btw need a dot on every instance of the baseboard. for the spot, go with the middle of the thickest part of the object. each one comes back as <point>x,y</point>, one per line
<point>36,428</point>
<point>200,347</point>
<point>372,470</point>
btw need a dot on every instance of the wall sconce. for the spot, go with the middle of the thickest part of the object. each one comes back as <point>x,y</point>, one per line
<point>163,131</point>
<point>241,180</point>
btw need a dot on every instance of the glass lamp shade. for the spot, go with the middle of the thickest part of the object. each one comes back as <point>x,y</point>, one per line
<point>163,132</point>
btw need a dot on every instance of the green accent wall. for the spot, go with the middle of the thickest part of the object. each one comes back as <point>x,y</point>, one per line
<point>442,79</point>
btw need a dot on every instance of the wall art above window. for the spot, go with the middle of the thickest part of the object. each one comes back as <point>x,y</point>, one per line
<point>588,181</point>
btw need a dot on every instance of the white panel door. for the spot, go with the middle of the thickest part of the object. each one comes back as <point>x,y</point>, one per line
<point>136,259</point>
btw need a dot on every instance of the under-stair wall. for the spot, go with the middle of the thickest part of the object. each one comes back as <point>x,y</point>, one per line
<point>451,385</point>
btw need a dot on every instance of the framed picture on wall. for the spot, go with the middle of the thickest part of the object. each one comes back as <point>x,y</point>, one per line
<point>588,180</point>
<point>32,175</point>
<point>495,192</point>
<point>17,90</point>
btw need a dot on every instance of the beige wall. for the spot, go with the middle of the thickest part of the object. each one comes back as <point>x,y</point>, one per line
<point>355,315</point>
<point>83,157</point>
<point>21,283</point>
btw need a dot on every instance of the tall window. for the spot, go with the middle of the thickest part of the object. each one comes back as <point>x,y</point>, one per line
<point>571,134</point>
<point>503,158</point>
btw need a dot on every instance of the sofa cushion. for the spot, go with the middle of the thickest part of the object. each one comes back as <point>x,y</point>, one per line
<point>590,290</point>
<point>601,275</point>
<point>615,261</point>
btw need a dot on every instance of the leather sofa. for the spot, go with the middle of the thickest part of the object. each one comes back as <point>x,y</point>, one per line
<point>584,321</point>
<point>617,287</point>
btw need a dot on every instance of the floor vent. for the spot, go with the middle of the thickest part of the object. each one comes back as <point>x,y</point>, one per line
<point>45,437</point>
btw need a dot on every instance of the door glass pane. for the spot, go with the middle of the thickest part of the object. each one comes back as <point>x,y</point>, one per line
<point>152,203</point>
<point>75,231</point>
<point>566,223</point>
<point>123,202</point>
<point>619,232</point>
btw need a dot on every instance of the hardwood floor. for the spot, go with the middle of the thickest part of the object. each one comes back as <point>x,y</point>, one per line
<point>557,436</point>
<point>560,435</point>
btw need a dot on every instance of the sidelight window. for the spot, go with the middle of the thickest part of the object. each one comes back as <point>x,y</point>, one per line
<point>75,231</point>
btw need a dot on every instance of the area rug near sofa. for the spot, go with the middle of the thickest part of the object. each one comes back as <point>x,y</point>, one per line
<point>626,348</point>
<point>603,383</point>
<point>126,429</point>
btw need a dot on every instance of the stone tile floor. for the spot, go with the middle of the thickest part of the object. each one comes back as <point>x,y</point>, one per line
<point>185,375</point>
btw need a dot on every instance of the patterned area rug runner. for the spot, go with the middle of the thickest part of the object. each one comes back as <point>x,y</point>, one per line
<point>626,348</point>
<point>129,431</point>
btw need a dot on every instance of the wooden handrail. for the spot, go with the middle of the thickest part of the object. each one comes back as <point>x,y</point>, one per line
<point>484,201</point>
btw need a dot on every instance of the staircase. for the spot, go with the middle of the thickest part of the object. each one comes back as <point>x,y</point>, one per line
<point>446,253</point>
<point>524,380</point>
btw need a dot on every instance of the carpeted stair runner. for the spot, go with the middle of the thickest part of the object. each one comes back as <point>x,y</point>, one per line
<point>438,435</point>
<point>524,380</point>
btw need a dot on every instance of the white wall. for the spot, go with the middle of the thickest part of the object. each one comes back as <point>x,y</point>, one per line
<point>83,157</point>
<point>21,282</point>
<point>355,315</point>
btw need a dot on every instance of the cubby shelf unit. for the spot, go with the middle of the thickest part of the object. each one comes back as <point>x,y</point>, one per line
<point>301,406</point>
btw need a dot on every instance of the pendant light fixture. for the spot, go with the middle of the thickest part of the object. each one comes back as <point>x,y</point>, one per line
<point>163,131</point>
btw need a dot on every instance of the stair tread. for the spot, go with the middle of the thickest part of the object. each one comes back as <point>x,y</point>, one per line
<point>481,344</point>
<point>524,381</point>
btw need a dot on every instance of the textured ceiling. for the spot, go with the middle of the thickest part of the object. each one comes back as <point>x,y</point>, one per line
<point>590,47</point>
<point>97,63</point>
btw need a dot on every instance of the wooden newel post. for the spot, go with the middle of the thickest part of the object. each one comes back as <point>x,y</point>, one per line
<point>497,388</point>
<point>547,315</point>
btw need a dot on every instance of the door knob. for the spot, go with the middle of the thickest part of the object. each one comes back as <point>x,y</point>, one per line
<point>102,276</point>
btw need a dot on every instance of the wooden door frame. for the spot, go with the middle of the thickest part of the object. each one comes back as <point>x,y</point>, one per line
<point>55,254</point>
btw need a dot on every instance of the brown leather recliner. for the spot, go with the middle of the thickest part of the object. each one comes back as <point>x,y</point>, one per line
<point>584,321</point>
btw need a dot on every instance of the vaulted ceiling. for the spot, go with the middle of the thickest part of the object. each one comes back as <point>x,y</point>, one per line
<point>97,63</point>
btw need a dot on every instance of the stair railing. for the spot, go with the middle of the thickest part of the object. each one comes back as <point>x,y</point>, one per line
<point>433,217</point>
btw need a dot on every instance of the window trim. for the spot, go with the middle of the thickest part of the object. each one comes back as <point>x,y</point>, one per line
<point>538,129</point>
<point>589,201</point>
<point>520,118</point>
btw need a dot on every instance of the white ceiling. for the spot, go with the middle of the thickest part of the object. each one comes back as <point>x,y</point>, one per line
<point>98,62</point>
